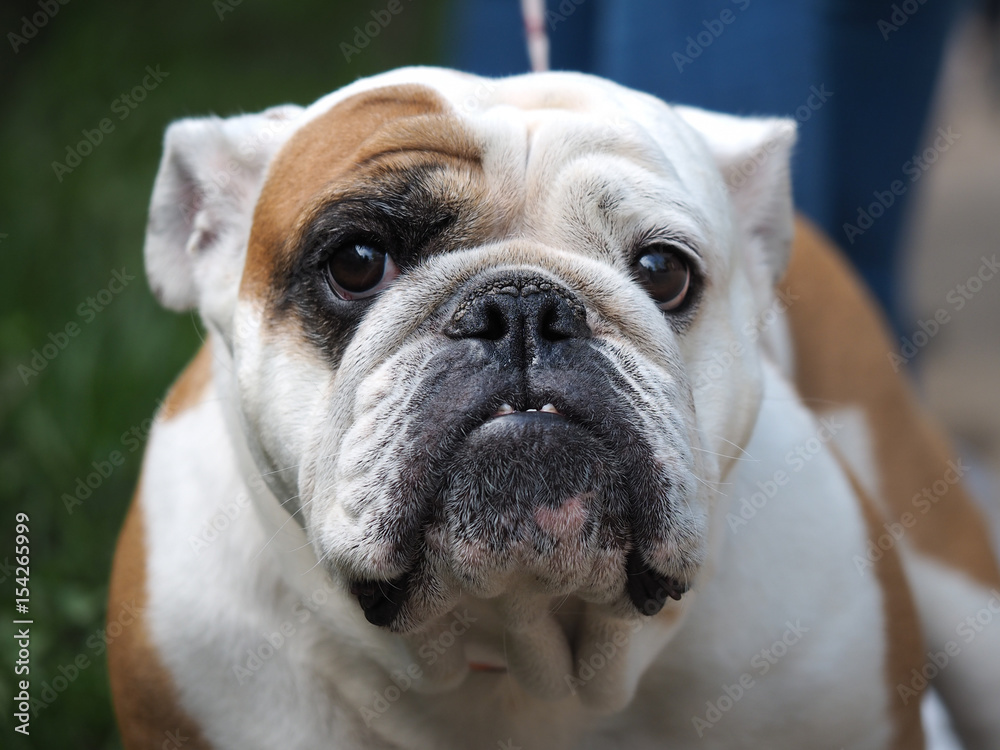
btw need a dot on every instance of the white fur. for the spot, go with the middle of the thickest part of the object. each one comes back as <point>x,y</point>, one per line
<point>800,545</point>
<point>854,442</point>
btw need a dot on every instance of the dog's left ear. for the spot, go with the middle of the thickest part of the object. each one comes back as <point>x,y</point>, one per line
<point>754,157</point>
<point>202,206</point>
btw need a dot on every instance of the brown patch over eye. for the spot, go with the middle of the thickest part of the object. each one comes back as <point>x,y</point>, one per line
<point>353,144</point>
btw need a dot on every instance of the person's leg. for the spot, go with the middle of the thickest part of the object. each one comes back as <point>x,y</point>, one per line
<point>884,63</point>
<point>489,38</point>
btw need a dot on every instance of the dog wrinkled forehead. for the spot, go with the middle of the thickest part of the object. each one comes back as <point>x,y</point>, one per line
<point>481,153</point>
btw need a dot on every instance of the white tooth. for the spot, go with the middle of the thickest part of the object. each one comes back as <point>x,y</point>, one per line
<point>504,409</point>
<point>532,409</point>
<point>550,409</point>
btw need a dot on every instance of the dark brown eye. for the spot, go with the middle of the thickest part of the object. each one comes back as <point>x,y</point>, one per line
<point>357,270</point>
<point>666,276</point>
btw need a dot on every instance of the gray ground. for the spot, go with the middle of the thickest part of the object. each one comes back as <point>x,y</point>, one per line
<point>955,221</point>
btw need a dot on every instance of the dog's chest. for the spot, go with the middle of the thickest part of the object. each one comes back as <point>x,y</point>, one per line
<point>239,647</point>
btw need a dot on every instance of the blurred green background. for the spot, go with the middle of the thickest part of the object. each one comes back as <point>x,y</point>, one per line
<point>60,241</point>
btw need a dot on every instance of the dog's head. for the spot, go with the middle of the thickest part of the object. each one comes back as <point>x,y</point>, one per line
<point>471,325</point>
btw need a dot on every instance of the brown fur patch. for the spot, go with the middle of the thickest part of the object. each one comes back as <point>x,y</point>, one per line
<point>144,695</point>
<point>188,390</point>
<point>841,348</point>
<point>365,133</point>
<point>903,638</point>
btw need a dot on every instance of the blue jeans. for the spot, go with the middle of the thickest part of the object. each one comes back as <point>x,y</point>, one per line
<point>857,75</point>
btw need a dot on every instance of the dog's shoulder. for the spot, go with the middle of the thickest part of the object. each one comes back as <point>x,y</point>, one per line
<point>145,696</point>
<point>189,388</point>
<point>843,364</point>
<point>144,693</point>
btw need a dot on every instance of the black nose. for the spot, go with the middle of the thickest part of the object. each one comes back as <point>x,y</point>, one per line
<point>521,315</point>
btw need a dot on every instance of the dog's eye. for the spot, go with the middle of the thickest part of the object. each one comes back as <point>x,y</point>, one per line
<point>665,275</point>
<point>359,269</point>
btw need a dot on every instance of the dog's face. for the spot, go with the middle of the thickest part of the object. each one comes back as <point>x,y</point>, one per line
<point>472,325</point>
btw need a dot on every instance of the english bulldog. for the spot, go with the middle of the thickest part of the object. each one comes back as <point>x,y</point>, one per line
<point>529,417</point>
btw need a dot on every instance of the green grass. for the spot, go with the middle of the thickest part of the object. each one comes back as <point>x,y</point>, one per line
<point>60,243</point>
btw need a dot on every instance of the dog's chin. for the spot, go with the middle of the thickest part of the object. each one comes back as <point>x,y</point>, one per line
<point>529,493</point>
<point>525,502</point>
<point>533,503</point>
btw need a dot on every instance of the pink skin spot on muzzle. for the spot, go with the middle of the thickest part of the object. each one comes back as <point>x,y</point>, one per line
<point>565,522</point>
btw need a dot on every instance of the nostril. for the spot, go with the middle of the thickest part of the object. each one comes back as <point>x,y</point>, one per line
<point>550,325</point>
<point>481,319</point>
<point>558,320</point>
<point>495,325</point>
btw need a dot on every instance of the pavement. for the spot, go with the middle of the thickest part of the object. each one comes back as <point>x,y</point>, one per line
<point>953,239</point>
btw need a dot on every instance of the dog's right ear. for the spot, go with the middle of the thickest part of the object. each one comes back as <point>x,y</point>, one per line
<point>203,199</point>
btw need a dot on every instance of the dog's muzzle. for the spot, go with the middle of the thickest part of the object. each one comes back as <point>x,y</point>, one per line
<point>531,463</point>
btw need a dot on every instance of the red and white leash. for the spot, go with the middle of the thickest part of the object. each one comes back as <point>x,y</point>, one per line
<point>533,12</point>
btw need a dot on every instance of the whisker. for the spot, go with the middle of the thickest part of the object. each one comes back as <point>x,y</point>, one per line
<point>714,489</point>
<point>276,532</point>
<point>723,455</point>
<point>719,437</point>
